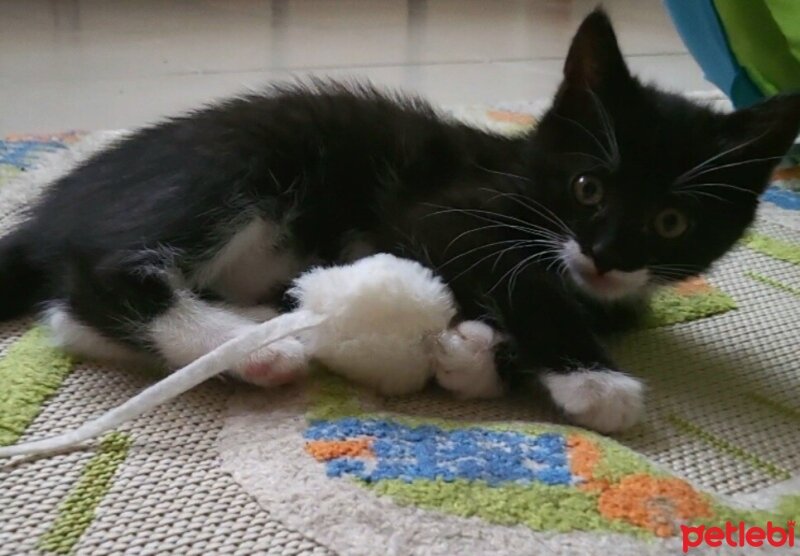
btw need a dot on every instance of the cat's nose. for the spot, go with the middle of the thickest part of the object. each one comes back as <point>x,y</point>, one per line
<point>603,257</point>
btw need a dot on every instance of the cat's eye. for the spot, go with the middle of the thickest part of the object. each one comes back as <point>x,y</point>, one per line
<point>671,223</point>
<point>588,190</point>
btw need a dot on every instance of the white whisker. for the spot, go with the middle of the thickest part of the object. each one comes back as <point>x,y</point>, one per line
<point>482,213</point>
<point>700,193</point>
<point>601,162</point>
<point>693,186</point>
<point>470,231</point>
<point>478,248</point>
<point>523,201</point>
<point>489,256</point>
<point>735,164</point>
<point>608,128</point>
<point>472,212</point>
<point>608,156</point>
<point>499,173</point>
<point>689,174</point>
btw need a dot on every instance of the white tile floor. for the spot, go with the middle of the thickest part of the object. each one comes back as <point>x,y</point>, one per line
<point>99,64</point>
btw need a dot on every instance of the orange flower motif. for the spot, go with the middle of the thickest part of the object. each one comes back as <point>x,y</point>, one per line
<point>324,450</point>
<point>788,173</point>
<point>511,117</point>
<point>693,286</point>
<point>64,137</point>
<point>653,503</point>
<point>584,454</point>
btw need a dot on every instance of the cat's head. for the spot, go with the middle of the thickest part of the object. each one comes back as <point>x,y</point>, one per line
<point>653,187</point>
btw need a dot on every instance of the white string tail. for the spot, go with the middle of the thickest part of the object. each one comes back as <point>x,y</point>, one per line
<point>211,364</point>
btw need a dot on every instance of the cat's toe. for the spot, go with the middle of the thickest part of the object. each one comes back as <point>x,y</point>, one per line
<point>280,363</point>
<point>464,361</point>
<point>601,399</point>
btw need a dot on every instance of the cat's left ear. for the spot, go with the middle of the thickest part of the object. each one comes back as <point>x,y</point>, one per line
<point>766,129</point>
<point>594,60</point>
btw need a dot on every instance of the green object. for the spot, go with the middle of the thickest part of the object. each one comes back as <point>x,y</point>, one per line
<point>786,14</point>
<point>78,510</point>
<point>333,397</point>
<point>773,283</point>
<point>31,371</point>
<point>775,248</point>
<point>538,506</point>
<point>777,407</point>
<point>670,307</point>
<point>789,507</point>
<point>764,35</point>
<point>724,446</point>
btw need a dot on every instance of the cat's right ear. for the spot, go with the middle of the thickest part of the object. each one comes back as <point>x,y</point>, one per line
<point>766,129</point>
<point>594,60</point>
<point>757,137</point>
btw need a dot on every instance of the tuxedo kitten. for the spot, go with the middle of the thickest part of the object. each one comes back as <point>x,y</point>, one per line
<point>171,240</point>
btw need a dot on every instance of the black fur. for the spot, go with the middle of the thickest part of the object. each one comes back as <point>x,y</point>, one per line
<point>328,161</point>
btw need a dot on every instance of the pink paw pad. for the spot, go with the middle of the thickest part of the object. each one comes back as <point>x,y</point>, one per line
<point>268,374</point>
<point>281,363</point>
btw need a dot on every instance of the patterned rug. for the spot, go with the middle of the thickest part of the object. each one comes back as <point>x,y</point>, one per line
<point>323,468</point>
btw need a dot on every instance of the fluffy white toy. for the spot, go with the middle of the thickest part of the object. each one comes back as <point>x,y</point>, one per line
<point>387,328</point>
<point>382,322</point>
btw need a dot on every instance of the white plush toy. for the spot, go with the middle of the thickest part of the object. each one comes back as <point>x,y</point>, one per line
<point>382,321</point>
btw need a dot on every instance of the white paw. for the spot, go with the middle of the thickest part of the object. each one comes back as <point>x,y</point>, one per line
<point>600,399</point>
<point>464,360</point>
<point>279,363</point>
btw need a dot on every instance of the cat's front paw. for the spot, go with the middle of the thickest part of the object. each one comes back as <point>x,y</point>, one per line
<point>464,360</point>
<point>279,363</point>
<point>598,398</point>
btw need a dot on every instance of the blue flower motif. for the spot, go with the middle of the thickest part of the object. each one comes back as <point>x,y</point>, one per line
<point>428,452</point>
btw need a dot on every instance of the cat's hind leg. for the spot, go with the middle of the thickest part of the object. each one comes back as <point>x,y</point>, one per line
<point>137,308</point>
<point>191,328</point>
<point>81,339</point>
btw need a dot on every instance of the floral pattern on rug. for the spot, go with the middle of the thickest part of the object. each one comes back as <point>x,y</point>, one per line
<point>377,449</point>
<point>547,477</point>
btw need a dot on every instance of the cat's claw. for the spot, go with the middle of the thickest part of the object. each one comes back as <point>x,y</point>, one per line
<point>601,399</point>
<point>464,360</point>
<point>282,362</point>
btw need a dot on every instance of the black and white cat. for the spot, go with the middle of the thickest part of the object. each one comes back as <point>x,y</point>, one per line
<point>172,240</point>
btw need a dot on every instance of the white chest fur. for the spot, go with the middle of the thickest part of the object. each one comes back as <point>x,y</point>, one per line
<point>249,265</point>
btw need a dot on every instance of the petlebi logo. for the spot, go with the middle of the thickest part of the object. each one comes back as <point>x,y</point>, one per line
<point>738,535</point>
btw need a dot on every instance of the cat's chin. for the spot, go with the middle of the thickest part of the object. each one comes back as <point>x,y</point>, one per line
<point>614,285</point>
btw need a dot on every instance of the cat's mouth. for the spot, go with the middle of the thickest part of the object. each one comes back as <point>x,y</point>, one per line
<point>614,284</point>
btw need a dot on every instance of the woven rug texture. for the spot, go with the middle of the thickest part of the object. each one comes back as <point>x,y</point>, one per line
<point>324,468</point>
